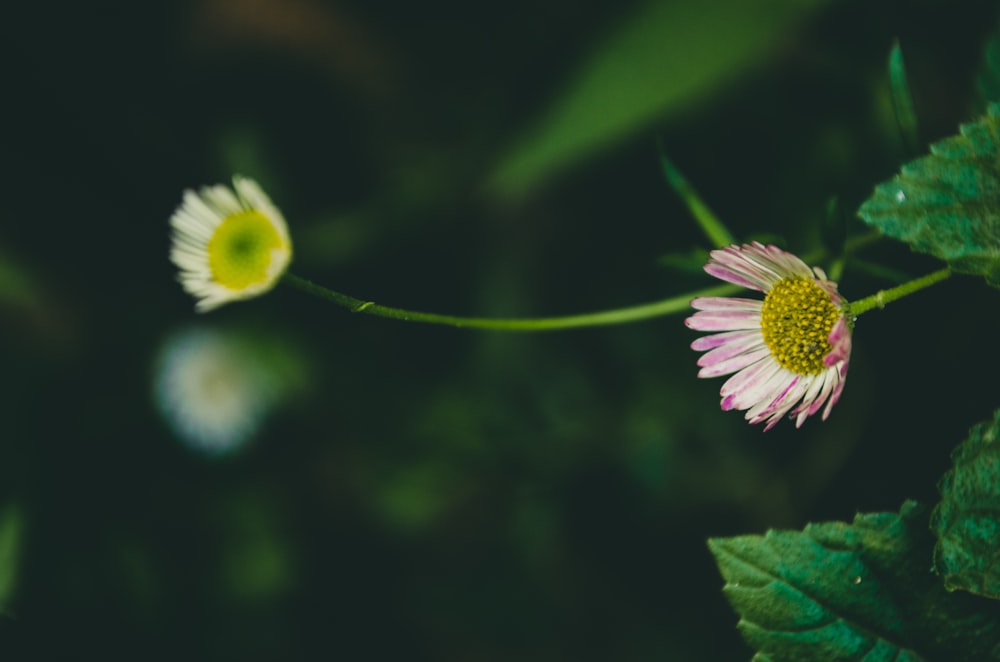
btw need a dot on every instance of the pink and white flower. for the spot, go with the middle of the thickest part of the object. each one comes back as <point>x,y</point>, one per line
<point>789,352</point>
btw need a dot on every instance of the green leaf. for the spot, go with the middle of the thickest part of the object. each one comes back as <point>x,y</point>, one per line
<point>860,591</point>
<point>664,58</point>
<point>967,520</point>
<point>947,204</point>
<point>714,229</point>
<point>902,101</point>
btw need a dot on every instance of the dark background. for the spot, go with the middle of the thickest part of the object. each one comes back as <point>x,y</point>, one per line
<point>435,493</point>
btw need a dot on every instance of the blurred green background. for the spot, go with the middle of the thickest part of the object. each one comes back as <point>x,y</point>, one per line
<point>425,492</point>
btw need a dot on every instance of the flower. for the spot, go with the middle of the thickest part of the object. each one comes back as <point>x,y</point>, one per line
<point>789,352</point>
<point>229,244</point>
<point>216,387</point>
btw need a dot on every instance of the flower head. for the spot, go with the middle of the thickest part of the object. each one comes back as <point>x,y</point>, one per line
<point>229,244</point>
<point>790,352</point>
<point>216,387</point>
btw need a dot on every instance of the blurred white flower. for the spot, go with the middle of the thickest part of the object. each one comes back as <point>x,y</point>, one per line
<point>215,387</point>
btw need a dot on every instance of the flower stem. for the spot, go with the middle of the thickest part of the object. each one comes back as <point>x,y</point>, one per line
<point>669,306</point>
<point>882,297</point>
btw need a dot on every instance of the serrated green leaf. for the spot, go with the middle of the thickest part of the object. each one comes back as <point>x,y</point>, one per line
<point>967,520</point>
<point>947,204</point>
<point>668,55</point>
<point>860,591</point>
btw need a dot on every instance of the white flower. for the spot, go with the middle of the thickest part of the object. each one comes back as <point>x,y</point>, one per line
<point>215,388</point>
<point>230,244</point>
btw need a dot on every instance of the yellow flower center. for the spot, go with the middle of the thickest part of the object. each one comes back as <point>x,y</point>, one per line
<point>241,250</point>
<point>796,320</point>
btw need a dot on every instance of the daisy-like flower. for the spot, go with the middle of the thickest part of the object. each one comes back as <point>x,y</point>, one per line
<point>230,244</point>
<point>789,352</point>
<point>215,388</point>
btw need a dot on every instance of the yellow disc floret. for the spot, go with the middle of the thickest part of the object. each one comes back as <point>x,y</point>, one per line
<point>796,320</point>
<point>241,251</point>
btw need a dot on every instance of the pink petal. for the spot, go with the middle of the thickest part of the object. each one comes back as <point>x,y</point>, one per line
<point>781,405</point>
<point>726,303</point>
<point>723,321</point>
<point>829,383</point>
<point>746,378</point>
<point>717,339</point>
<point>783,261</point>
<point>740,345</point>
<point>840,343</point>
<point>766,387</point>
<point>734,363</point>
<point>768,391</point>
<point>741,266</point>
<point>835,396</point>
<point>730,275</point>
<point>767,406</point>
<point>802,412</point>
<point>768,263</point>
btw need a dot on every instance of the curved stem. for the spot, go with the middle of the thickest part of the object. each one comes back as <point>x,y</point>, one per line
<point>669,306</point>
<point>882,297</point>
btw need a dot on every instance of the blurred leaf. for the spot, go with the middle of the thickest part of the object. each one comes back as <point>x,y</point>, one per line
<point>17,286</point>
<point>880,271</point>
<point>256,557</point>
<point>715,231</point>
<point>669,55</point>
<point>967,520</point>
<point>692,262</point>
<point>902,101</point>
<point>988,78</point>
<point>833,230</point>
<point>948,204</point>
<point>860,591</point>
<point>11,532</point>
<point>415,497</point>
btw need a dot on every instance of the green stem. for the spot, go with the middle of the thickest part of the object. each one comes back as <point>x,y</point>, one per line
<point>669,306</point>
<point>882,297</point>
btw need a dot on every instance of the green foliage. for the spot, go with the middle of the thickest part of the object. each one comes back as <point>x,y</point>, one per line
<point>833,231</point>
<point>947,204</point>
<point>18,287</point>
<point>859,591</point>
<point>714,230</point>
<point>666,57</point>
<point>988,78</point>
<point>967,520</point>
<point>691,262</point>
<point>902,101</point>
<point>11,532</point>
